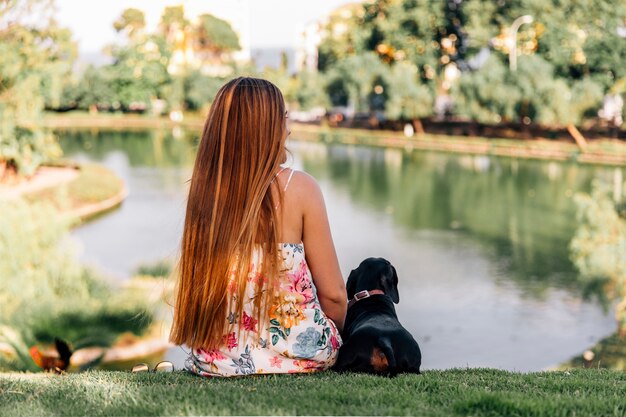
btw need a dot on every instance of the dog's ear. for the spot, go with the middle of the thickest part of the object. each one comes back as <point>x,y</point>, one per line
<point>390,284</point>
<point>351,284</point>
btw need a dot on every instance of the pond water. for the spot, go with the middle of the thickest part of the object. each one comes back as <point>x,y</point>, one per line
<point>480,243</point>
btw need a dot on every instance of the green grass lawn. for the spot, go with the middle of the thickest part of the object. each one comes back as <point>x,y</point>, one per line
<point>471,392</point>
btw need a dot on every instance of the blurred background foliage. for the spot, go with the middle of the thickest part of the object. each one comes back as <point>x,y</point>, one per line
<point>49,294</point>
<point>598,248</point>
<point>400,59</point>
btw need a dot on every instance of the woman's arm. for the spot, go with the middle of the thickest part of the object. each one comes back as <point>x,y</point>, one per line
<point>320,250</point>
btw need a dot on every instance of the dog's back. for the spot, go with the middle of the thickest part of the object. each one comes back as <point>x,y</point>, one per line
<point>376,342</point>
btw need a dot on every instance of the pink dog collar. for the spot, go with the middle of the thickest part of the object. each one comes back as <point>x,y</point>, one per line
<point>363,294</point>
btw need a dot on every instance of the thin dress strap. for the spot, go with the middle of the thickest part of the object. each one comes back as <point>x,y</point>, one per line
<point>278,173</point>
<point>286,185</point>
<point>288,180</point>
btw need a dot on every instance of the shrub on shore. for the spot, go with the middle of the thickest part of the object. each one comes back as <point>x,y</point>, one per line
<point>45,293</point>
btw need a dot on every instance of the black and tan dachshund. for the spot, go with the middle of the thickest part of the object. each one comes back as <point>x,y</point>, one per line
<point>374,340</point>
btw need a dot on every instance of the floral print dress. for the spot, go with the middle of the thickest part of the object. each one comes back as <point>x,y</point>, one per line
<point>298,337</point>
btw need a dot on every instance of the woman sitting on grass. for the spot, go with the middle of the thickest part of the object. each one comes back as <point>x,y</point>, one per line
<point>249,301</point>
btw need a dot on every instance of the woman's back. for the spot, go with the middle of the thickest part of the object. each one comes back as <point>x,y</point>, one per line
<point>297,337</point>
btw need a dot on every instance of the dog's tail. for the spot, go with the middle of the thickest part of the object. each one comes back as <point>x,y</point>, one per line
<point>383,359</point>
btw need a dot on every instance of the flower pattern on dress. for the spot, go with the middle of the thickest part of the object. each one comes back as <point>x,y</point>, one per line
<point>210,356</point>
<point>245,364</point>
<point>299,282</point>
<point>308,343</point>
<point>248,322</point>
<point>297,338</point>
<point>276,362</point>
<point>230,340</point>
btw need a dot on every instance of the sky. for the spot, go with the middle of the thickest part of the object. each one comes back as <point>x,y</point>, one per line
<point>269,23</point>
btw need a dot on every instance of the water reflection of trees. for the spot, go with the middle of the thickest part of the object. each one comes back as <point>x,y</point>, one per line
<point>522,210</point>
<point>170,157</point>
<point>144,148</point>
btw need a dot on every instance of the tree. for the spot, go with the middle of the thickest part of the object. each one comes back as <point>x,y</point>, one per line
<point>404,36</point>
<point>355,77</point>
<point>215,35</point>
<point>173,18</point>
<point>139,73</point>
<point>408,98</point>
<point>578,37</point>
<point>132,21</point>
<point>308,90</point>
<point>37,56</point>
<point>533,93</point>
<point>338,36</point>
<point>200,90</point>
<point>172,64</point>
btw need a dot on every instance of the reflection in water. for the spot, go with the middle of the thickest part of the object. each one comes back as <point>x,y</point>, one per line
<point>480,243</point>
<point>523,210</point>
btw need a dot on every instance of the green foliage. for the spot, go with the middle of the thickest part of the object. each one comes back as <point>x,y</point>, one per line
<point>408,97</point>
<point>216,34</point>
<point>96,89</point>
<point>307,91</point>
<point>173,16</point>
<point>27,149</point>
<point>357,75</point>
<point>131,20</point>
<point>586,97</point>
<point>98,322</point>
<point>139,73</point>
<point>94,184</point>
<point>200,90</point>
<point>338,39</point>
<point>44,291</point>
<point>485,96</point>
<point>37,56</point>
<point>33,265</point>
<point>599,247</point>
<point>578,37</point>
<point>403,30</point>
<point>494,93</point>
<point>569,57</point>
<point>395,45</point>
<point>142,69</point>
<point>157,269</point>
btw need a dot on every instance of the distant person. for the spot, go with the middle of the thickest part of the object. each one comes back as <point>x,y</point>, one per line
<point>260,290</point>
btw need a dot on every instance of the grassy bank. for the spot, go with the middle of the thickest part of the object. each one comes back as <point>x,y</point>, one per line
<point>472,392</point>
<point>600,151</point>
<point>95,190</point>
<point>604,152</point>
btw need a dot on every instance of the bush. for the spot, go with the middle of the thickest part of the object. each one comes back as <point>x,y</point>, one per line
<point>157,269</point>
<point>45,293</point>
<point>598,248</point>
<point>532,93</point>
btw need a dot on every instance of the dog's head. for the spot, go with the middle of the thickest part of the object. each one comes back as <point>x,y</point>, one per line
<point>374,274</point>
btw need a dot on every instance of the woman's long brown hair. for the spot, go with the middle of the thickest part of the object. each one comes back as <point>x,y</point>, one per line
<point>231,212</point>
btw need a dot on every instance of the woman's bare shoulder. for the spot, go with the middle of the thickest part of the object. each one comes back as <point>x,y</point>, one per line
<point>305,186</point>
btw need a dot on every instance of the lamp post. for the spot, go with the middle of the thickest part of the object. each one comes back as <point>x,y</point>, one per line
<point>513,39</point>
